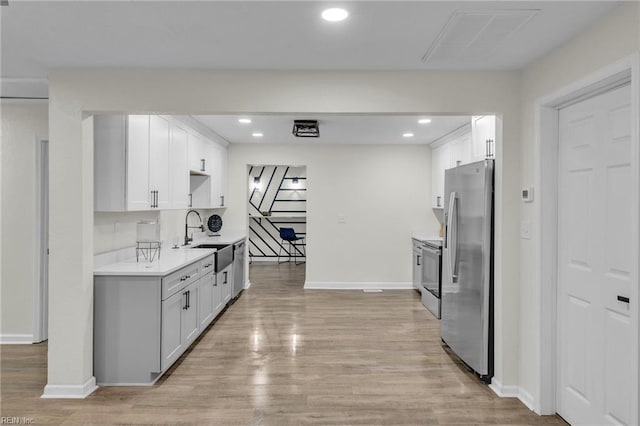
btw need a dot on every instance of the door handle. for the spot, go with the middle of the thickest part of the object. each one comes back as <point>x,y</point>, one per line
<point>202,168</point>
<point>190,200</point>
<point>418,261</point>
<point>452,236</point>
<point>623,299</point>
<point>438,201</point>
<point>186,306</point>
<point>225,278</point>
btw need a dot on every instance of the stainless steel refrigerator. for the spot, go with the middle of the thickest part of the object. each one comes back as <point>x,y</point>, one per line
<point>467,265</point>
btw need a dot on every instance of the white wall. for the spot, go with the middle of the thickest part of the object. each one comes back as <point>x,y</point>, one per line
<point>24,124</point>
<point>609,40</point>
<point>75,92</point>
<point>383,191</point>
<point>113,231</point>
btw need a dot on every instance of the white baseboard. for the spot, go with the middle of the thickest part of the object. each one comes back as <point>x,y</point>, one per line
<point>247,284</point>
<point>16,339</point>
<point>309,285</point>
<point>70,391</point>
<point>512,391</point>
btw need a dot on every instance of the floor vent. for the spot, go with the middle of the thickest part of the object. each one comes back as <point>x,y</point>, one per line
<point>474,34</point>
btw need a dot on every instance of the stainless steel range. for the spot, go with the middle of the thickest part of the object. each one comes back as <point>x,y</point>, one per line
<point>432,276</point>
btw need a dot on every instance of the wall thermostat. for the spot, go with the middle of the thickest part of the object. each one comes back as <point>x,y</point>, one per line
<point>527,195</point>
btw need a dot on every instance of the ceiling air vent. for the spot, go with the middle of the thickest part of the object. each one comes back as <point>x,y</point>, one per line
<point>473,34</point>
<point>306,128</point>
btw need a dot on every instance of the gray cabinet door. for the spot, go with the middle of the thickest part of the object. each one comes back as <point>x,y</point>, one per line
<point>226,277</point>
<point>218,299</point>
<point>190,325</point>
<point>205,300</point>
<point>172,340</point>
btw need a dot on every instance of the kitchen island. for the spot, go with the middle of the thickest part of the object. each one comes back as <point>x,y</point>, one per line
<point>146,314</point>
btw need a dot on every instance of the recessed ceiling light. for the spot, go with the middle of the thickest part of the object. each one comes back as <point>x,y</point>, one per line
<point>257,135</point>
<point>407,135</point>
<point>335,14</point>
<point>424,121</point>
<point>244,120</point>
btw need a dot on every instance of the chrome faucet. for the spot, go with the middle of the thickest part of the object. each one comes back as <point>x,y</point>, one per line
<point>188,240</point>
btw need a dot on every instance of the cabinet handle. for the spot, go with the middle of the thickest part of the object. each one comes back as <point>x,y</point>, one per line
<point>202,162</point>
<point>222,201</point>
<point>623,299</point>
<point>438,200</point>
<point>190,200</point>
<point>186,301</point>
<point>225,278</point>
<point>418,261</point>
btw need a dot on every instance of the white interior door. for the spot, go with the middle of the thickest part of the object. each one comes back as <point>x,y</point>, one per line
<point>596,259</point>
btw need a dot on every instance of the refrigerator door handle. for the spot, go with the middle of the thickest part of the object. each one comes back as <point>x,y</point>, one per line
<point>452,237</point>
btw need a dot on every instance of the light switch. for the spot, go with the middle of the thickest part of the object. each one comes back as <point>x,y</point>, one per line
<point>525,230</point>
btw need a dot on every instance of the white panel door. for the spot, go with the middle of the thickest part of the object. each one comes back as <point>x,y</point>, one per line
<point>138,195</point>
<point>179,167</point>
<point>159,159</point>
<point>595,260</point>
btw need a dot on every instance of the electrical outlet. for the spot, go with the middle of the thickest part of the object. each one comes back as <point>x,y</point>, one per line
<point>525,230</point>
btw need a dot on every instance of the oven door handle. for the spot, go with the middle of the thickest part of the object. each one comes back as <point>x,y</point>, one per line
<point>431,250</point>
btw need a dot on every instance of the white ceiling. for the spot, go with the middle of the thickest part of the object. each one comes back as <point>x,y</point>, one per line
<point>334,129</point>
<point>378,35</point>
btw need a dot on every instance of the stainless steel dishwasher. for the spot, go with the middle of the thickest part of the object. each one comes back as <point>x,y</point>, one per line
<point>238,267</point>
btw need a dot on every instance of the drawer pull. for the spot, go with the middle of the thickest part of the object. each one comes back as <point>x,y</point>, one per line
<point>623,299</point>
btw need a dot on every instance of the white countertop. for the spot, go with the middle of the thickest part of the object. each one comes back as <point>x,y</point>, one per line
<point>424,236</point>
<point>170,259</point>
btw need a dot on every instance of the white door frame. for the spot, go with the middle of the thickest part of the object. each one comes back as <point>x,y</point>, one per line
<point>546,127</point>
<point>40,283</point>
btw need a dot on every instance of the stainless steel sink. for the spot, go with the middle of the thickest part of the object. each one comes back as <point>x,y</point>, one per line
<point>224,255</point>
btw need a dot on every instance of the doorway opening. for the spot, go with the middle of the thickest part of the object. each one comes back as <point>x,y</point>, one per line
<point>277,207</point>
<point>41,284</point>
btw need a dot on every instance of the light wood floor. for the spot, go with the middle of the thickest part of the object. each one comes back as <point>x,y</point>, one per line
<point>281,355</point>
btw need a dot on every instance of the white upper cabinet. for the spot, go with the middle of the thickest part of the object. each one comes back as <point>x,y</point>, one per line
<point>468,145</point>
<point>218,175</point>
<point>198,153</point>
<point>179,166</point>
<point>135,144</point>
<point>146,162</point>
<point>121,163</point>
<point>159,162</point>
<point>483,130</point>
<point>460,150</point>
<point>440,161</point>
